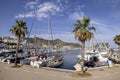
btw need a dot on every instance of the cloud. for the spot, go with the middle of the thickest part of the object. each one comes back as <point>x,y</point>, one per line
<point>52,7</point>
<point>48,7</point>
<point>31,5</point>
<point>42,11</point>
<point>76,15</point>
<point>24,15</point>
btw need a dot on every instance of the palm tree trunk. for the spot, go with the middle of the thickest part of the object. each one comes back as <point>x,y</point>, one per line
<point>17,49</point>
<point>83,56</point>
<point>119,49</point>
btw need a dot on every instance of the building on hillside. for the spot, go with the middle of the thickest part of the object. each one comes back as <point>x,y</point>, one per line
<point>9,39</point>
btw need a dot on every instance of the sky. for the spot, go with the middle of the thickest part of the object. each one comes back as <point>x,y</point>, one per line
<point>104,15</point>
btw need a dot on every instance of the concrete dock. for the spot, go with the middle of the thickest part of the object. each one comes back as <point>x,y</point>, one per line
<point>30,73</point>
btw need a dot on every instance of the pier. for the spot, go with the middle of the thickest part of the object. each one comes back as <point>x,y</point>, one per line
<point>30,73</point>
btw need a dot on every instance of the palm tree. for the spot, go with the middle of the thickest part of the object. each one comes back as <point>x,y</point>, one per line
<point>20,31</point>
<point>97,46</point>
<point>117,40</point>
<point>107,45</point>
<point>83,32</point>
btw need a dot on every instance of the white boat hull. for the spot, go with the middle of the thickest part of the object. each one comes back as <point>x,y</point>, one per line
<point>56,64</point>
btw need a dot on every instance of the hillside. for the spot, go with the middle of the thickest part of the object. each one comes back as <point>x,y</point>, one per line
<point>57,42</point>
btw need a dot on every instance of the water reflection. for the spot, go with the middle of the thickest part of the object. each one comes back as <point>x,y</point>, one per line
<point>70,59</point>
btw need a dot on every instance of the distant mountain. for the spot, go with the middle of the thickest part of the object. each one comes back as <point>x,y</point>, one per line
<point>56,42</point>
<point>40,42</point>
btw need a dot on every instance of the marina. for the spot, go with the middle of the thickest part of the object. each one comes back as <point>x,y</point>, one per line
<point>70,58</point>
<point>60,40</point>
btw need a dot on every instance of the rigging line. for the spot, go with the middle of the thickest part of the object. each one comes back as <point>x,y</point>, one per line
<point>30,32</point>
<point>24,19</point>
<point>24,16</point>
<point>95,40</point>
<point>33,23</point>
<point>101,39</point>
<point>27,42</point>
<point>91,42</point>
<point>50,33</point>
<point>35,26</point>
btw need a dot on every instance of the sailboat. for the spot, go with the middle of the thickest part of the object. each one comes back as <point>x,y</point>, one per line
<point>47,58</point>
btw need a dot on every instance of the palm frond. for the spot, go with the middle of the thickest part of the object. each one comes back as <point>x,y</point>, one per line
<point>92,28</point>
<point>19,29</point>
<point>117,39</point>
<point>82,31</point>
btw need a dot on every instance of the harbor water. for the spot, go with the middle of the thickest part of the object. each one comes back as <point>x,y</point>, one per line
<point>70,59</point>
<point>69,56</point>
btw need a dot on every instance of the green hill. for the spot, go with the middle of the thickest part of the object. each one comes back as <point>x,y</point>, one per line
<point>57,42</point>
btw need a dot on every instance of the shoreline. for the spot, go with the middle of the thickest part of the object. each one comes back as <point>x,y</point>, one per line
<point>30,73</point>
<point>65,70</point>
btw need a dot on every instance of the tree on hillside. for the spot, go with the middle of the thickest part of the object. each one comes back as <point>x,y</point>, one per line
<point>83,32</point>
<point>117,40</point>
<point>20,31</point>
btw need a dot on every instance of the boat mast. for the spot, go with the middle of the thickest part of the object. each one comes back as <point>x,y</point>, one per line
<point>50,46</point>
<point>26,43</point>
<point>35,26</point>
